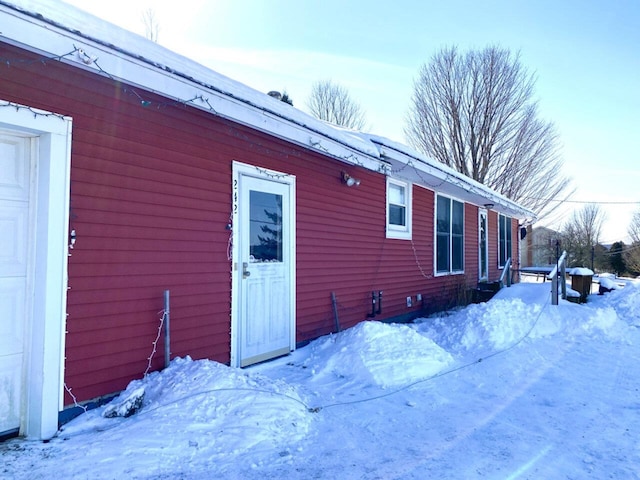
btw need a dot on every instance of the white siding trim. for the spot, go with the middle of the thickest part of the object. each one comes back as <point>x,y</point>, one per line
<point>240,169</point>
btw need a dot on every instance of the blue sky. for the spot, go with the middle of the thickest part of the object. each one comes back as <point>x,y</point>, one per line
<point>585,55</point>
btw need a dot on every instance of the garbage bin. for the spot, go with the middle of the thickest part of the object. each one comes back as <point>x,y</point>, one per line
<point>581,282</point>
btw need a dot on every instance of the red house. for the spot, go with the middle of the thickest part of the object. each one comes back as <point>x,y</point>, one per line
<point>127,170</point>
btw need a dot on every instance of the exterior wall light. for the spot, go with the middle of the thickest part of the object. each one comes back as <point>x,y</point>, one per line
<point>489,205</point>
<point>349,181</point>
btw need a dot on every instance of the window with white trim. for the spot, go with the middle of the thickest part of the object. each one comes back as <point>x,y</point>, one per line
<point>504,240</point>
<point>398,209</point>
<point>449,235</point>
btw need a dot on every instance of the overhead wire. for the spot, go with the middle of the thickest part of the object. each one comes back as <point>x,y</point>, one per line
<point>318,408</point>
<point>440,374</point>
<point>596,202</point>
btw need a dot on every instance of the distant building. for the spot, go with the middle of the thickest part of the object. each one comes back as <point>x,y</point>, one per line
<point>539,247</point>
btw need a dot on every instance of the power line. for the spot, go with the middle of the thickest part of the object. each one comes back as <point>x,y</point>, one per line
<point>597,202</point>
<point>627,248</point>
<point>439,374</point>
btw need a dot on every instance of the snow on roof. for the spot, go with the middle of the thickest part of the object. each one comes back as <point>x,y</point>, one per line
<point>583,271</point>
<point>56,29</point>
<point>436,175</point>
<point>609,283</point>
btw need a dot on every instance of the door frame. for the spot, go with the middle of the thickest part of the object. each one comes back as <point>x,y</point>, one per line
<point>43,370</point>
<point>239,170</point>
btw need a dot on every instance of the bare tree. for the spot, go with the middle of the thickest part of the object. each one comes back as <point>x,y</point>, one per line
<point>475,113</point>
<point>631,254</point>
<point>151,27</point>
<point>581,235</point>
<point>634,227</point>
<point>331,102</point>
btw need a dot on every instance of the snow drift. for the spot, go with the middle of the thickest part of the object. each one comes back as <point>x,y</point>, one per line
<point>557,397</point>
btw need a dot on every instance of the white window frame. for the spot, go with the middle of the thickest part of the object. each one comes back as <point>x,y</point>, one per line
<point>508,225</point>
<point>402,232</point>
<point>450,271</point>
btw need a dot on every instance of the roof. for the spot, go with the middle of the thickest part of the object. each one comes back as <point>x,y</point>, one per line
<point>57,30</point>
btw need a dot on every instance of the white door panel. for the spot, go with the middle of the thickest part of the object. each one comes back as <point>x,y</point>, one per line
<point>12,299</point>
<point>14,268</point>
<point>255,299</point>
<point>266,322</point>
<point>10,391</point>
<point>14,217</point>
<point>14,167</point>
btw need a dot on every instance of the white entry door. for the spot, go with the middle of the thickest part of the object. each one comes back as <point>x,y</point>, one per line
<point>15,229</point>
<point>264,259</point>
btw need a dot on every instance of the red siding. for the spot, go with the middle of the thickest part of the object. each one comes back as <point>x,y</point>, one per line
<point>471,243</point>
<point>150,202</point>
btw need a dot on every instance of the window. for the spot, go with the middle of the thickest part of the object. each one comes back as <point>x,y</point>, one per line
<point>483,246</point>
<point>265,227</point>
<point>449,235</point>
<point>504,240</point>
<point>398,209</point>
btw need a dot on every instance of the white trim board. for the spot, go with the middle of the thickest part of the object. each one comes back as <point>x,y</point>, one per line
<point>44,350</point>
<point>239,170</point>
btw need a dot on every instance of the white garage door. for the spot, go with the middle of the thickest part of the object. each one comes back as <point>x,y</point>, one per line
<point>15,218</point>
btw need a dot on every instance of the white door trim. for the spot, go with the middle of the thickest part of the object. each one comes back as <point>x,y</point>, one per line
<point>239,170</point>
<point>44,349</point>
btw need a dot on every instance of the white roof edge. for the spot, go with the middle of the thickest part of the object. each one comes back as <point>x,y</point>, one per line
<point>54,29</point>
<point>390,149</point>
<point>39,26</point>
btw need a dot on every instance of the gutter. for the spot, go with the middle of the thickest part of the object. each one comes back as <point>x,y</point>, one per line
<point>444,173</point>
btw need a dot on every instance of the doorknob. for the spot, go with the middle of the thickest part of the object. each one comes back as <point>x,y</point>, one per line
<point>245,272</point>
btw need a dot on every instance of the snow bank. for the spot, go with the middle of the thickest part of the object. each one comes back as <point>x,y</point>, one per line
<point>503,322</point>
<point>493,325</point>
<point>377,353</point>
<point>214,402</point>
<point>576,365</point>
<point>393,355</point>
<point>605,321</point>
<point>626,302</point>
<point>600,318</point>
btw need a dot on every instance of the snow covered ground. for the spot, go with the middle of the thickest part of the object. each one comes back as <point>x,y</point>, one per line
<point>513,388</point>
